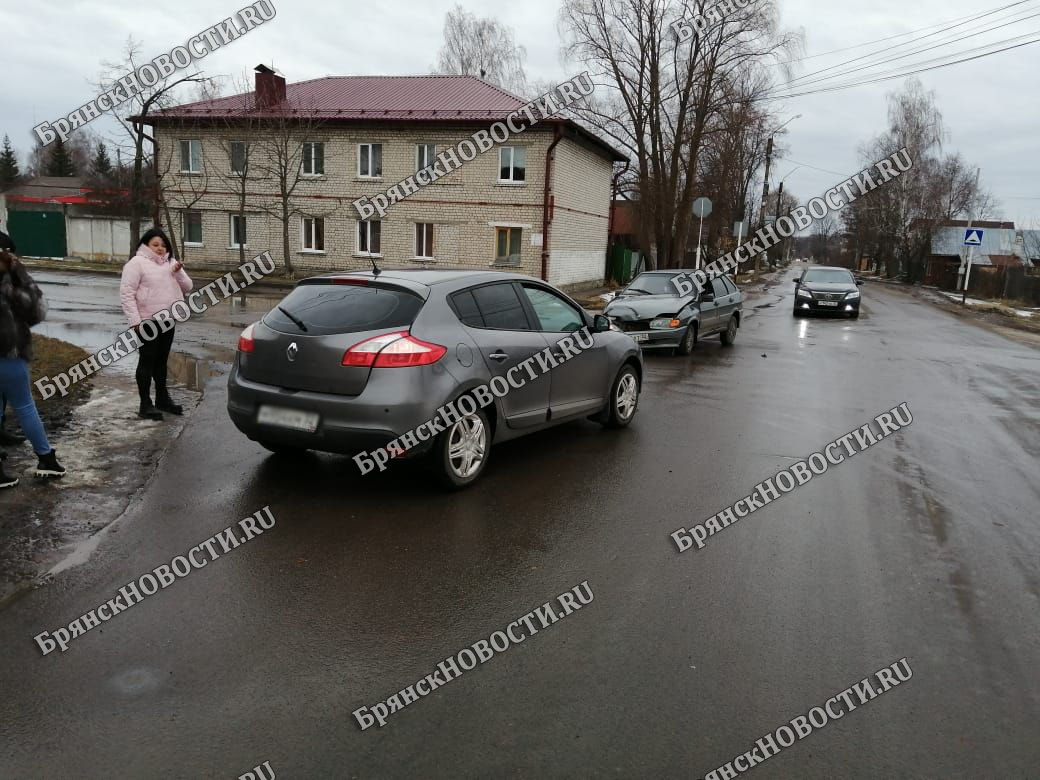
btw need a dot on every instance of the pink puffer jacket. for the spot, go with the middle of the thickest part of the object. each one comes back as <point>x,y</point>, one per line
<point>149,285</point>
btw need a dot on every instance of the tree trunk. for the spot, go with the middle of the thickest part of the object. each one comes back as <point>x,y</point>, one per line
<point>289,270</point>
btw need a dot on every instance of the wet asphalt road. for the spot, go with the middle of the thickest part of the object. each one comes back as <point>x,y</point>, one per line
<point>925,546</point>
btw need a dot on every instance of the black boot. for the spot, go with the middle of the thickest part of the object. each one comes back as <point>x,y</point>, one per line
<point>48,466</point>
<point>148,410</point>
<point>5,480</point>
<point>164,403</point>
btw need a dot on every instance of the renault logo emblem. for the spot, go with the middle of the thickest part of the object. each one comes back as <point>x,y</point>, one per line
<point>292,351</point>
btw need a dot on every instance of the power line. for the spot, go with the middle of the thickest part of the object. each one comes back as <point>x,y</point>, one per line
<point>793,84</point>
<point>866,82</point>
<point>900,35</point>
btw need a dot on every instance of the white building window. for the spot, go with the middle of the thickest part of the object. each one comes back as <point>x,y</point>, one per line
<point>314,158</point>
<point>192,221</point>
<point>424,240</point>
<point>424,155</point>
<point>369,236</point>
<point>237,153</point>
<point>237,231</point>
<point>370,161</point>
<point>313,234</point>
<point>512,164</point>
<point>191,156</point>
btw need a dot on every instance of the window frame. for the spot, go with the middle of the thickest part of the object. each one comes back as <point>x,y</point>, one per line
<point>512,164</point>
<point>304,249</point>
<point>429,238</point>
<point>520,253</point>
<point>231,231</point>
<point>231,157</point>
<point>305,158</point>
<point>184,228</point>
<point>190,141</point>
<point>431,157</point>
<point>358,251</point>
<point>369,146</point>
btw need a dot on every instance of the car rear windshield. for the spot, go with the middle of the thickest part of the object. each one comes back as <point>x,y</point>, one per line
<point>328,309</point>
<point>829,276</point>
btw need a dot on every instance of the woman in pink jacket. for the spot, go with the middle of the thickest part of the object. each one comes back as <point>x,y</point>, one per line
<point>152,282</point>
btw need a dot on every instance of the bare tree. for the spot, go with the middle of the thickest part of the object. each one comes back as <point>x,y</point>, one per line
<point>278,156</point>
<point>130,116</point>
<point>662,99</point>
<point>239,145</point>
<point>897,222</point>
<point>482,47</point>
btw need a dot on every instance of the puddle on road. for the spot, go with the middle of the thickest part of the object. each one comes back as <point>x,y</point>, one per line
<point>191,372</point>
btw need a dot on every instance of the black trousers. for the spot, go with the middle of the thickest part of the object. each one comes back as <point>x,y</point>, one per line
<point>151,365</point>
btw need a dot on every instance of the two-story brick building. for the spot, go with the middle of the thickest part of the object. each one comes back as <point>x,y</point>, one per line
<point>539,203</point>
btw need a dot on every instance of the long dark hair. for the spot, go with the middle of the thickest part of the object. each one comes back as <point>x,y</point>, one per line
<point>148,236</point>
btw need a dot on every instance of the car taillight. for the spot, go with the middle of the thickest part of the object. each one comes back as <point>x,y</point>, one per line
<point>393,350</point>
<point>245,341</point>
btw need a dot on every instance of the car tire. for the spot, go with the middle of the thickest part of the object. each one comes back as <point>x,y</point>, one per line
<point>729,335</point>
<point>280,449</point>
<point>854,315</point>
<point>621,407</point>
<point>689,341</point>
<point>457,471</point>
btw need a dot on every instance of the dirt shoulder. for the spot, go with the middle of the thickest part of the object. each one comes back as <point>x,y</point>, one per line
<point>110,454</point>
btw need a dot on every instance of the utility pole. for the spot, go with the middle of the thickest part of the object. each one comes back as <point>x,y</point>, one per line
<point>765,193</point>
<point>776,214</point>
<point>971,249</point>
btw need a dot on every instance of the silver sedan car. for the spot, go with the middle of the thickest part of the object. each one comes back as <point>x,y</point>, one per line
<point>657,316</point>
<point>350,362</point>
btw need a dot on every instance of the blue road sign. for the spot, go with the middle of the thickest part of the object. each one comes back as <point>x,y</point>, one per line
<point>973,237</point>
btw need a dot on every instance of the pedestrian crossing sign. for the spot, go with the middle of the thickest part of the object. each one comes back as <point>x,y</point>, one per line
<point>973,237</point>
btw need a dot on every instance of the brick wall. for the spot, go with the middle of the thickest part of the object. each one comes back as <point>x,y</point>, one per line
<point>578,233</point>
<point>465,207</point>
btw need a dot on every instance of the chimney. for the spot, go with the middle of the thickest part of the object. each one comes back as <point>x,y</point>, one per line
<point>270,87</point>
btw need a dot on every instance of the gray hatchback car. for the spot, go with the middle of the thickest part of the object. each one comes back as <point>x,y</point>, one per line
<point>350,362</point>
<point>655,314</point>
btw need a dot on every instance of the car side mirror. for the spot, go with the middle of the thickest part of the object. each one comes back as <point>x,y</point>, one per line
<point>797,282</point>
<point>600,324</point>
<point>707,296</point>
<point>859,282</point>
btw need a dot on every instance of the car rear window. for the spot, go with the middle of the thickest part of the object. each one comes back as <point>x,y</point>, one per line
<point>328,309</point>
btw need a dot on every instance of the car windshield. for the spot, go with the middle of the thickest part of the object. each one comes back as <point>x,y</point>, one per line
<point>829,276</point>
<point>654,284</point>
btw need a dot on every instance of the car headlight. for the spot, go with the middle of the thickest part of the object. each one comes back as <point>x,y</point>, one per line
<point>803,293</point>
<point>852,296</point>
<point>665,323</point>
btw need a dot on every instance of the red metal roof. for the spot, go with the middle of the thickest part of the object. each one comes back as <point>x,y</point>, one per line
<point>372,97</point>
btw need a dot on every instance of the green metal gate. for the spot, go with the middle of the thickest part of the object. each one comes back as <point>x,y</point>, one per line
<point>38,233</point>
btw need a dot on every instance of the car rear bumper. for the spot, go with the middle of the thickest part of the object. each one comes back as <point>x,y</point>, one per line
<point>346,424</point>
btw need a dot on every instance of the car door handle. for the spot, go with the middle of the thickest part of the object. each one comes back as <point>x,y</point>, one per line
<point>499,356</point>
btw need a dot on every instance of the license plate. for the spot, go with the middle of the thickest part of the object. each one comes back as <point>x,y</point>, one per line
<point>640,338</point>
<point>828,303</point>
<point>288,418</point>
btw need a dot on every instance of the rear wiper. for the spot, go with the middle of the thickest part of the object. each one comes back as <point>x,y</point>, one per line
<point>641,292</point>
<point>296,320</point>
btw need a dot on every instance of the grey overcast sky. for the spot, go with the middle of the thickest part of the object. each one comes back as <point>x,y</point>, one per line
<point>52,50</point>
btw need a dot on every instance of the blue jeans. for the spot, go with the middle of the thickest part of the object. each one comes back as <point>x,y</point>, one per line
<point>14,384</point>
